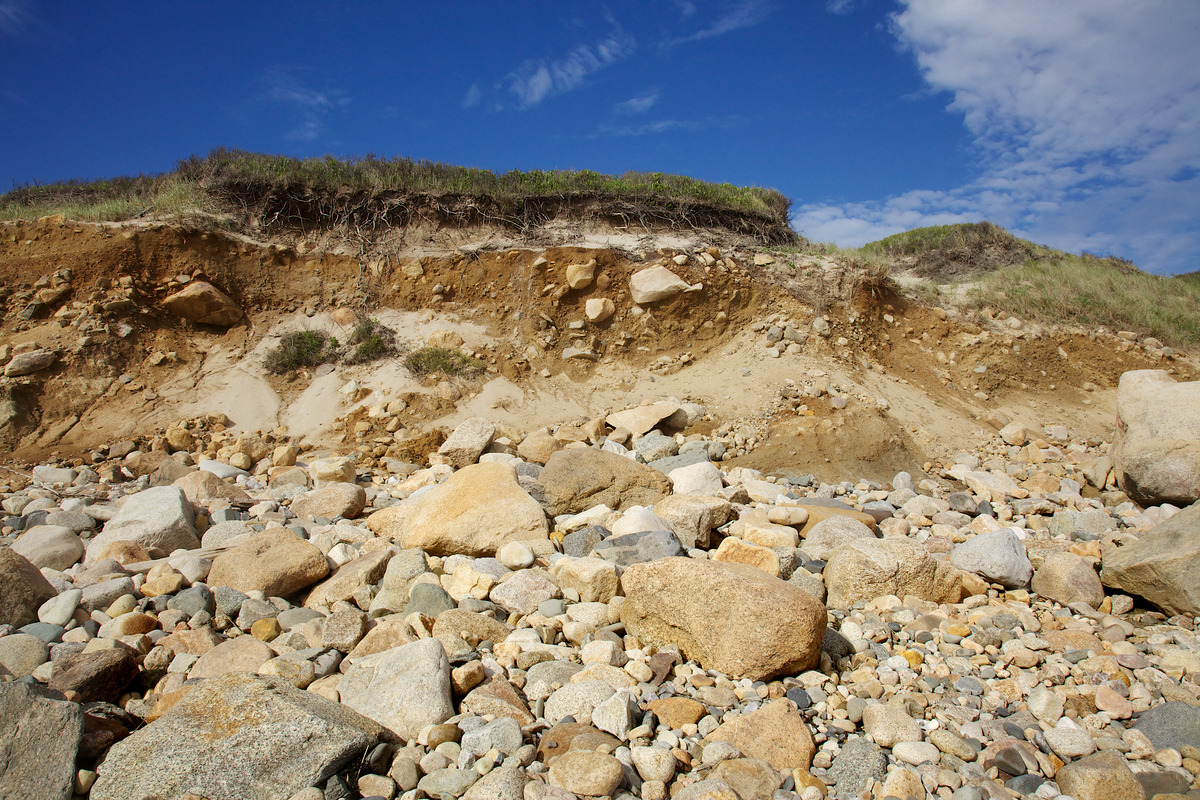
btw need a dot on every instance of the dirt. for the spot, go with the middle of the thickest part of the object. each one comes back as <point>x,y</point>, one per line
<point>912,382</point>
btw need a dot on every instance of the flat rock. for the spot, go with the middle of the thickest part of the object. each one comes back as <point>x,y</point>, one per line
<point>39,741</point>
<point>365,570</point>
<point>730,617</point>
<point>160,517</point>
<point>240,654</point>
<point>475,511</point>
<point>1173,724</point>
<point>524,591</point>
<point>275,561</point>
<point>654,284</point>
<point>864,569</point>
<point>1102,776</point>
<point>642,419</point>
<point>233,737</point>
<point>585,773</point>
<point>403,689</point>
<point>29,363</point>
<point>1157,452</point>
<point>1162,565</point>
<point>577,479</point>
<point>202,302</point>
<point>23,589</point>
<point>464,445</point>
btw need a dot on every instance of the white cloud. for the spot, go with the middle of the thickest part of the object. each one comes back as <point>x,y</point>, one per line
<point>686,7</point>
<point>536,80</point>
<point>636,105</point>
<point>473,96</point>
<point>1083,113</point>
<point>840,6</point>
<point>308,107</point>
<point>744,14</point>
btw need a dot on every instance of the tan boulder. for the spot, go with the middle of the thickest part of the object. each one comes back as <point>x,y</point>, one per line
<point>598,309</point>
<point>776,733</point>
<point>1067,578</point>
<point>276,562</point>
<point>1157,452</point>
<point>335,500</point>
<point>580,276</point>
<point>349,578</point>
<point>730,617</point>
<point>736,551</point>
<point>476,510</point>
<point>642,419</point>
<point>538,446</point>
<point>866,569</point>
<point>204,303</point>
<point>577,479</point>
<point>23,589</point>
<point>1162,565</point>
<point>202,487</point>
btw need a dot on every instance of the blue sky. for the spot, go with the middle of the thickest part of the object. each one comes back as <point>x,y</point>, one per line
<point>1075,123</point>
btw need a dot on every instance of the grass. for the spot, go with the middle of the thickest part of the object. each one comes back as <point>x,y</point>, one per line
<point>235,176</point>
<point>300,349</point>
<point>962,236</point>
<point>442,361</point>
<point>372,341</point>
<point>1089,291</point>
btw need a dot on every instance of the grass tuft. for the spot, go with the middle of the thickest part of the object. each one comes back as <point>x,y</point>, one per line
<point>442,361</point>
<point>372,341</point>
<point>300,349</point>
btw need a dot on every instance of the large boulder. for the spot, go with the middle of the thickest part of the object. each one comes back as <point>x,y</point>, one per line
<point>237,736</point>
<point>577,479</point>
<point>23,589</point>
<point>39,741</point>
<point>730,617</point>
<point>1067,578</point>
<point>475,512</point>
<point>1162,565</point>
<point>1157,452</point>
<point>863,569</point>
<point>202,302</point>
<point>404,689</point>
<point>998,556</point>
<point>52,546</point>
<point>276,562</point>
<point>834,531</point>
<point>468,440</point>
<point>160,518</point>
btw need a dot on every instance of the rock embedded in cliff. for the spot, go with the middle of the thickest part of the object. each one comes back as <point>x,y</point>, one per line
<point>730,617</point>
<point>1157,452</point>
<point>29,363</point>
<point>204,303</point>
<point>654,284</point>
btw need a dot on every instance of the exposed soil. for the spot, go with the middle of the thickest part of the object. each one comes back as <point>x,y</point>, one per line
<point>893,385</point>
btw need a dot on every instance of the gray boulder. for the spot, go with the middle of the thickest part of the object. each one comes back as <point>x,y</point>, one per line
<point>1157,452</point>
<point>160,518</point>
<point>999,556</point>
<point>404,689</point>
<point>236,736</point>
<point>1162,565</point>
<point>637,548</point>
<point>39,740</point>
<point>50,546</point>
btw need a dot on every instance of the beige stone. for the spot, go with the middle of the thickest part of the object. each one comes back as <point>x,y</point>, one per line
<point>204,303</point>
<point>866,569</point>
<point>350,577</point>
<point>577,479</point>
<point>735,551</point>
<point>776,733</point>
<point>276,562</point>
<point>598,309</point>
<point>730,617</point>
<point>335,500</point>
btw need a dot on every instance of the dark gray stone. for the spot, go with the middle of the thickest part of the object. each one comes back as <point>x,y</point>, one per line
<point>1171,724</point>
<point>229,601</point>
<point>194,600</point>
<point>429,600</point>
<point>39,740</point>
<point>578,544</point>
<point>665,465</point>
<point>638,548</point>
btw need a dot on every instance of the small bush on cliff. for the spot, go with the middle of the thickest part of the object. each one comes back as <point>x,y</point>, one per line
<point>442,360</point>
<point>300,349</point>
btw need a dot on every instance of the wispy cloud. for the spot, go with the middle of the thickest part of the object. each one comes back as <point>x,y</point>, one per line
<point>473,96</point>
<point>636,105</point>
<point>841,6</point>
<point>308,108</point>
<point>743,14</point>
<point>538,79</point>
<point>14,18</point>
<point>661,126</point>
<point>686,7</point>
<point>1075,149</point>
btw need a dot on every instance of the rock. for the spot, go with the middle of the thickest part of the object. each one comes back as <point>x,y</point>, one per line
<point>349,578</point>
<point>595,579</point>
<point>904,782</point>
<point>447,782</point>
<point>403,689</point>
<point>577,479</point>
<point>337,469</point>
<point>21,654</point>
<point>538,446</point>
<point>889,725</point>
<point>577,700</point>
<point>99,675</point>
<point>1102,776</point>
<point>476,511</point>
<point>749,777</point>
<point>598,309</point>
<point>22,589</point>
<point>1173,724</point>
<point>336,500</point>
<point>202,487</point>
<point>588,774</point>
<point>504,783</point>
<point>59,610</point>
<point>160,518</point>
<point>707,789</point>
<point>275,561</point>
<point>1162,565</point>
<point>240,654</point>
<point>916,753</point>
<point>580,276</point>
<point>50,546</point>
<point>204,303</point>
<point>735,551</point>
<point>870,568</point>
<point>1157,452</point>
<point>701,478</point>
<point>236,736</point>
<point>859,763</point>
<point>637,548</point>
<point>524,591</point>
<point>468,440</point>
<point>830,533</point>
<point>776,733</point>
<point>656,283</point>
<point>1067,578</point>
<point>1068,740</point>
<point>515,555</point>
<point>642,419</point>
<point>730,617</point>
<point>999,556</point>
<point>29,363</point>
<point>39,742</point>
